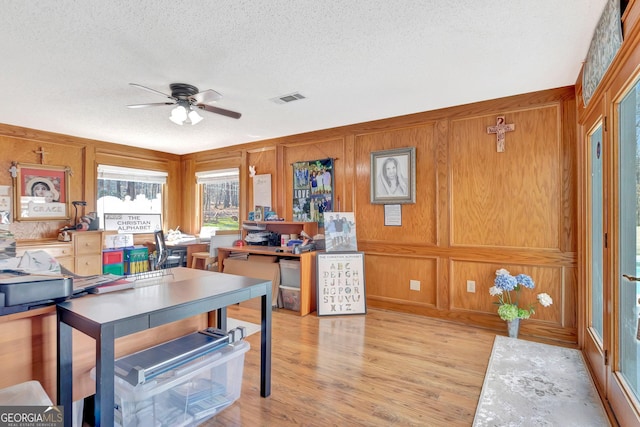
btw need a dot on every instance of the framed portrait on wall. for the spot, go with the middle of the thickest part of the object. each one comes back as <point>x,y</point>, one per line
<point>41,193</point>
<point>393,176</point>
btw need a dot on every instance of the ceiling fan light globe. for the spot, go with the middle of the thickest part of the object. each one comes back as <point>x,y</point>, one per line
<point>178,115</point>
<point>195,117</point>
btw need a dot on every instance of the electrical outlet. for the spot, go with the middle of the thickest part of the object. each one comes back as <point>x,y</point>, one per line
<point>471,286</point>
<point>414,285</point>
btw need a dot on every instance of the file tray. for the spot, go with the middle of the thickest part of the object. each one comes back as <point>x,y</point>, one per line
<point>140,367</point>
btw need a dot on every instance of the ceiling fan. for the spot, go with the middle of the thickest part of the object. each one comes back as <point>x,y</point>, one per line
<point>187,99</point>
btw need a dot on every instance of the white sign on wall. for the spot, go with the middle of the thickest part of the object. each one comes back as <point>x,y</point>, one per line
<point>133,223</point>
<point>262,190</point>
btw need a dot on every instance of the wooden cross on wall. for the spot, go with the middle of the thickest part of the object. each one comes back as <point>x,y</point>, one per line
<point>500,129</point>
<point>42,153</point>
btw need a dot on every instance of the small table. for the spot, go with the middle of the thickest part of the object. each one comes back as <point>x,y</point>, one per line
<point>106,317</point>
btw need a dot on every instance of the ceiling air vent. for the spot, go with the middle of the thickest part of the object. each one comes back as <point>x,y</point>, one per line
<point>284,99</point>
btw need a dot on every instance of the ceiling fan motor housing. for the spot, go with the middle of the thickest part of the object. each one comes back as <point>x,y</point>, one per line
<point>182,90</point>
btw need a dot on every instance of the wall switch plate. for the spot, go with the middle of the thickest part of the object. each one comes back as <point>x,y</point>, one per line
<point>414,285</point>
<point>471,286</point>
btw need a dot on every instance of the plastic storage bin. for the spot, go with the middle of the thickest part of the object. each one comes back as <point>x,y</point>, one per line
<point>112,256</point>
<point>290,297</point>
<point>29,393</point>
<point>117,269</point>
<point>136,260</point>
<point>187,395</point>
<point>290,273</point>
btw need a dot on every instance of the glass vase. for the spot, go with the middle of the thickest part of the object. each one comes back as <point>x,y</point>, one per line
<point>512,327</point>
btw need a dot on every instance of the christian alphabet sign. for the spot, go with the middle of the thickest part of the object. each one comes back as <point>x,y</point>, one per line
<point>341,284</point>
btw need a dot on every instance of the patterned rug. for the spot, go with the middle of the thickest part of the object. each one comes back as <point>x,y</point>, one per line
<point>533,384</point>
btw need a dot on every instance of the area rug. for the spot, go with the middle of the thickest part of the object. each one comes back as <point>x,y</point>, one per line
<point>533,384</point>
<point>251,328</point>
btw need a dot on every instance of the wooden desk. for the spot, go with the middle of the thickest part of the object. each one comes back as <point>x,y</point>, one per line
<point>190,247</point>
<point>307,269</point>
<point>109,316</point>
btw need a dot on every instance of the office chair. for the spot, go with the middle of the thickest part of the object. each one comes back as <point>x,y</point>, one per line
<point>164,259</point>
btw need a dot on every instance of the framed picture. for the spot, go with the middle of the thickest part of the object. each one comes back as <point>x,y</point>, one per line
<point>340,283</point>
<point>41,193</point>
<point>393,176</point>
<point>313,190</point>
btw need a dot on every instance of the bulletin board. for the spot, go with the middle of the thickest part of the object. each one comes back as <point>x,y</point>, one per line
<point>312,190</point>
<point>340,283</point>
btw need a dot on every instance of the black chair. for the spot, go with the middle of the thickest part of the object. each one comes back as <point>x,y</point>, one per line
<point>164,257</point>
<point>177,258</point>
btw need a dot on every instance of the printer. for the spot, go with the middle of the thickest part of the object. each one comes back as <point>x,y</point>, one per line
<point>31,281</point>
<point>21,291</point>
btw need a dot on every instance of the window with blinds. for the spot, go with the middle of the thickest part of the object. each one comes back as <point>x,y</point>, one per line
<point>220,196</point>
<point>129,191</point>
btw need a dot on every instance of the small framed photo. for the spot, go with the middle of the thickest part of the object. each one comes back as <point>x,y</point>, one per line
<point>258,214</point>
<point>393,176</point>
<point>41,193</point>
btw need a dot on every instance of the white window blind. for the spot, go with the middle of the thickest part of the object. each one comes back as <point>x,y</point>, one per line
<point>118,173</point>
<point>220,175</point>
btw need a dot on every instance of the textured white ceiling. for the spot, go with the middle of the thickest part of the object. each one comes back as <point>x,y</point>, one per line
<point>66,65</point>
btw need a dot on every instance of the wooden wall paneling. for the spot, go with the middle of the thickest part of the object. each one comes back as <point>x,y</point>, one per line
<point>569,149</point>
<point>346,187</point>
<point>190,214</point>
<point>264,160</point>
<point>419,220</point>
<point>511,198</point>
<point>550,280</point>
<point>442,134</point>
<point>388,276</point>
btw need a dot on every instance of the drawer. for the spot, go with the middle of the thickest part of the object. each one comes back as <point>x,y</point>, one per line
<point>88,265</point>
<point>56,250</point>
<point>67,262</point>
<point>87,243</point>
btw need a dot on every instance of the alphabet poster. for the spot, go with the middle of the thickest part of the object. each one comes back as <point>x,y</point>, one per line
<point>341,284</point>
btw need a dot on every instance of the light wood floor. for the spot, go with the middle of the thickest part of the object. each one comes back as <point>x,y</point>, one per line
<point>379,369</point>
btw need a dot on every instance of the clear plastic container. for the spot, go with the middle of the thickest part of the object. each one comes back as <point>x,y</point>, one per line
<point>184,396</point>
<point>29,393</point>
<point>290,273</point>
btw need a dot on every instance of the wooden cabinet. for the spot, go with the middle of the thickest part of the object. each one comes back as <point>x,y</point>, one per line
<point>61,251</point>
<point>88,252</point>
<point>307,259</point>
<point>82,255</point>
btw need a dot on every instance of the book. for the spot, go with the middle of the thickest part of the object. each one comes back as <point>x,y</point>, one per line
<point>113,286</point>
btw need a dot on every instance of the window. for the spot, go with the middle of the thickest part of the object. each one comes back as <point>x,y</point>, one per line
<point>129,191</point>
<point>220,195</point>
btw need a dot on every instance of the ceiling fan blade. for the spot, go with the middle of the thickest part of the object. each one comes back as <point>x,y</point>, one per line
<point>155,104</point>
<point>218,110</point>
<point>206,96</point>
<point>157,92</point>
